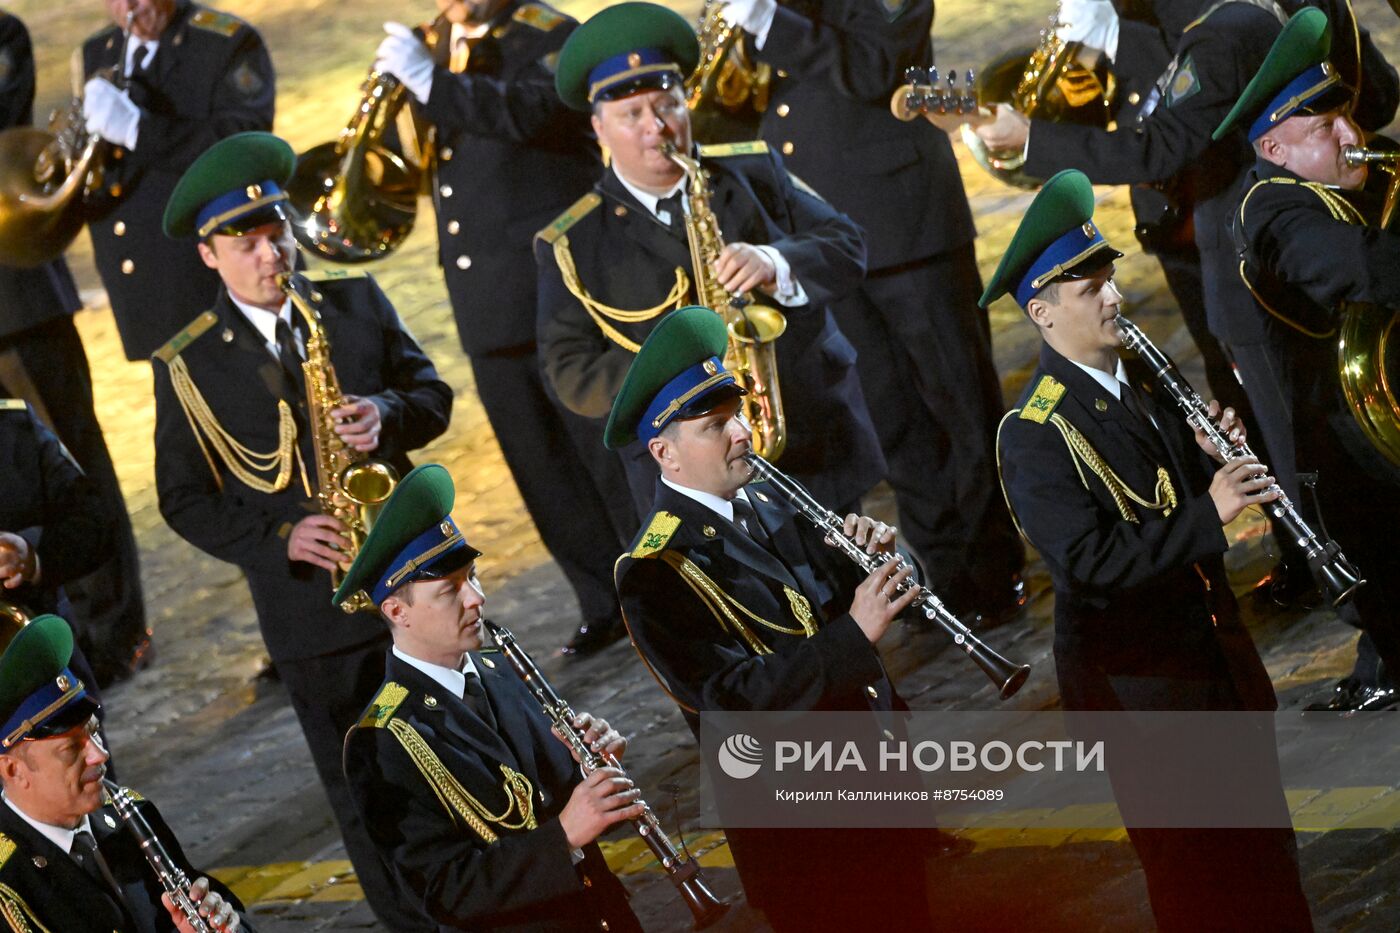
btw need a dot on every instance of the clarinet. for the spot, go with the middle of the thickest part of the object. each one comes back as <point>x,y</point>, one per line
<point>684,872</point>
<point>1006,675</point>
<point>171,877</point>
<point>1337,575</point>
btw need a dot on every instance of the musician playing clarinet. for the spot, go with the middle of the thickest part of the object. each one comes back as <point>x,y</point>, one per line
<point>464,790</point>
<point>800,622</point>
<point>1104,479</point>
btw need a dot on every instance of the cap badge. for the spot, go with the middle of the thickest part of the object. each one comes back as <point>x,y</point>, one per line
<point>1089,230</point>
<point>446,529</point>
<point>710,368</point>
<point>634,60</point>
<point>254,192</point>
<point>488,662</point>
<point>63,683</point>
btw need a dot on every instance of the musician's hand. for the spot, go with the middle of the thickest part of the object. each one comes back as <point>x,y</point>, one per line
<point>109,113</point>
<point>17,561</point>
<point>600,736</point>
<point>1230,425</point>
<point>1238,485</point>
<point>319,540</point>
<point>878,601</point>
<point>603,798</point>
<point>357,423</point>
<point>875,537</point>
<point>403,55</point>
<point>742,267</point>
<point>1009,130</point>
<point>216,911</point>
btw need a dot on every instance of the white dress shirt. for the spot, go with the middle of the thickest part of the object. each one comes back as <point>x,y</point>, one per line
<point>265,322</point>
<point>139,51</point>
<point>63,838</point>
<point>452,680</point>
<point>1113,384</point>
<point>724,508</point>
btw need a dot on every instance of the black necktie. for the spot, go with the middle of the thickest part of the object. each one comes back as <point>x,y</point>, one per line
<point>1131,401</point>
<point>475,697</point>
<point>86,854</point>
<point>142,60</point>
<point>287,352</point>
<point>672,205</point>
<point>747,519</point>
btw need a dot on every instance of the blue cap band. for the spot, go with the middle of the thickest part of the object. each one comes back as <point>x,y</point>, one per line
<point>418,557</point>
<point>627,67</point>
<point>1296,94</point>
<point>227,208</point>
<point>1072,248</point>
<point>40,706</point>
<point>683,394</point>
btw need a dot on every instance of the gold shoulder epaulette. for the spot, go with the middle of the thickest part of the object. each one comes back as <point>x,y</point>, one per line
<point>1042,402</point>
<point>330,275</point>
<point>184,338</point>
<point>541,17</point>
<point>576,212</point>
<point>7,849</point>
<point>382,708</point>
<point>663,526</point>
<point>720,150</point>
<point>12,404</point>
<point>214,21</point>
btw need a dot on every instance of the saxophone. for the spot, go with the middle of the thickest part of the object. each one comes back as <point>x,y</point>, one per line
<point>753,328</point>
<point>349,486</point>
<point>728,91</point>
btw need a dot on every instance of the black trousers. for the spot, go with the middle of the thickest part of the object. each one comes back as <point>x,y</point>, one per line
<point>924,352</point>
<point>328,694</point>
<point>46,366</point>
<point>573,487</point>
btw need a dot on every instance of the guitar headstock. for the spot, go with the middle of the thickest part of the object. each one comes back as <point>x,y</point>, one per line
<point>946,103</point>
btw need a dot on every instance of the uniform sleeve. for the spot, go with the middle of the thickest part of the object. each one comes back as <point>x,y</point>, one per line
<point>416,405</point>
<point>1098,551</point>
<point>1330,260</point>
<point>78,530</point>
<point>862,53</point>
<point>193,504</point>
<point>1172,139</point>
<point>704,667</point>
<point>16,72</point>
<point>455,876</point>
<point>825,249</point>
<point>242,100</point>
<point>583,368</point>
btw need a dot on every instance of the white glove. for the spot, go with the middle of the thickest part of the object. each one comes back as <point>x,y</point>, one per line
<point>1092,22</point>
<point>403,55</point>
<point>109,113</point>
<point>752,16</point>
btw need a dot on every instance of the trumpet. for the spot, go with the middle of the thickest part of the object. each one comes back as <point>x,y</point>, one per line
<point>173,879</point>
<point>1329,565</point>
<point>1007,676</point>
<point>683,871</point>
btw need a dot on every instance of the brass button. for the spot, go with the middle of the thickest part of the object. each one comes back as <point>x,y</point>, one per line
<point>464,262</point>
<point>118,152</point>
<point>587,881</point>
<point>453,227</point>
<point>787,148</point>
<point>446,191</point>
<point>1134,97</point>
<point>782,73</point>
<point>115,191</point>
<point>1100,404</point>
<point>446,154</point>
<point>874,694</point>
<point>783,110</point>
<point>128,267</point>
<point>760,496</point>
<point>620,211</point>
<point>430,701</point>
<point>119,228</point>
<point>708,531</point>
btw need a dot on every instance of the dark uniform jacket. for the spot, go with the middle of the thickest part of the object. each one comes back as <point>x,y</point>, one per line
<point>47,501</point>
<point>626,259</point>
<point>510,157</point>
<point>1144,614</point>
<point>28,297</point>
<point>836,63</point>
<point>442,795</point>
<point>211,78</point>
<point>42,884</point>
<point>1218,48</point>
<point>208,504</point>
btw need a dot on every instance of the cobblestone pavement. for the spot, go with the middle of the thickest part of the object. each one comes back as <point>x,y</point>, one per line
<point>221,751</point>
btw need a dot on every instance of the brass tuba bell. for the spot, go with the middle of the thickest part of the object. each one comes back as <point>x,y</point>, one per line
<point>12,619</point>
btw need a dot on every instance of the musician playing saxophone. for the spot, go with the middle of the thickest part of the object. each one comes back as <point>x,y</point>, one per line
<point>236,457</point>
<point>453,765</point>
<point>619,259</point>
<point>800,621</point>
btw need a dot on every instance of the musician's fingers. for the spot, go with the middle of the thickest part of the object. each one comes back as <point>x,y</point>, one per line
<point>905,600</point>
<point>199,889</point>
<point>1213,410</point>
<point>848,525</point>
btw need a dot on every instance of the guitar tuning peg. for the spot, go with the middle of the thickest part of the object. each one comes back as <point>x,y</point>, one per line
<point>915,75</point>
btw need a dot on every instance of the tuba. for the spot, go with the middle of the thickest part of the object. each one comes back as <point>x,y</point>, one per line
<point>1368,353</point>
<point>354,199</point>
<point>45,175</point>
<point>349,486</point>
<point>727,91</point>
<point>753,328</point>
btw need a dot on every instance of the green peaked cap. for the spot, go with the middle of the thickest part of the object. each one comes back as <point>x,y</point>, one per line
<point>37,697</point>
<point>1306,41</point>
<point>613,34</point>
<point>231,164</point>
<point>1065,203</point>
<point>420,507</point>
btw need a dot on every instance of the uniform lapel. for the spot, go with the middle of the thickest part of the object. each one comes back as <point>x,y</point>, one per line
<point>512,716</point>
<point>728,541</point>
<point>641,226</point>
<point>781,524</point>
<point>435,707</point>
<point>59,873</point>
<point>248,341</point>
